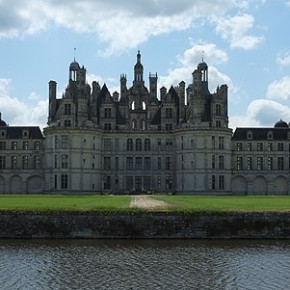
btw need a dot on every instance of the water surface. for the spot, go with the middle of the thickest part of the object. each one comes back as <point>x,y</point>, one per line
<point>144,264</point>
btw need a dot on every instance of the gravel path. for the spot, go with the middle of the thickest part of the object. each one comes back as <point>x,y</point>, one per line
<point>146,202</point>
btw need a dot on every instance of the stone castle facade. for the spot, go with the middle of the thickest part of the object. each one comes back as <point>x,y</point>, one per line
<point>135,142</point>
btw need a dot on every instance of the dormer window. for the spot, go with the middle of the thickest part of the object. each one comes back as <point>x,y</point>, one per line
<point>25,134</point>
<point>249,135</point>
<point>2,134</point>
<point>270,135</point>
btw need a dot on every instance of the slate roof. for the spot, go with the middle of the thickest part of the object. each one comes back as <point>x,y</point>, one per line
<point>16,132</point>
<point>261,133</point>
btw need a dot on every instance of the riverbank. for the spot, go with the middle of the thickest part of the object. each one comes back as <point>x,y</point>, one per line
<point>144,225</point>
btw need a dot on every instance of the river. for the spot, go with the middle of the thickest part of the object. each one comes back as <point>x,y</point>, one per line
<point>144,264</point>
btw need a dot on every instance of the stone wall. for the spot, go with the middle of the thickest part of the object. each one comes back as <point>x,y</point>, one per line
<point>141,225</point>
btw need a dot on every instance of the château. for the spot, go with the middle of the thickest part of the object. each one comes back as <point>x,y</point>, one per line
<point>140,141</point>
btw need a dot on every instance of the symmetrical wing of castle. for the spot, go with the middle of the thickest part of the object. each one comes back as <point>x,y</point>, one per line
<point>138,142</point>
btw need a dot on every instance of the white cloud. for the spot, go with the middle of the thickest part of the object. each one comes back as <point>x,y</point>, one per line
<point>235,30</point>
<point>188,62</point>
<point>283,60</point>
<point>16,112</point>
<point>119,24</point>
<point>261,112</point>
<point>279,89</point>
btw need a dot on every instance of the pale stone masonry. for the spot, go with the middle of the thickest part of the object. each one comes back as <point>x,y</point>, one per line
<point>137,142</point>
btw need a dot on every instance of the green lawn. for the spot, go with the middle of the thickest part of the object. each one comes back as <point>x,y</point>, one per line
<point>228,203</point>
<point>64,202</point>
<point>122,203</point>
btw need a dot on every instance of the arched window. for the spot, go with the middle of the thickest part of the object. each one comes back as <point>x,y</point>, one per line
<point>133,106</point>
<point>138,144</point>
<point>143,106</point>
<point>147,145</point>
<point>143,125</point>
<point>129,144</point>
<point>134,124</point>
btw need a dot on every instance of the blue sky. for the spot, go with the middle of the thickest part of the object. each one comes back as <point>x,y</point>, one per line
<point>245,44</point>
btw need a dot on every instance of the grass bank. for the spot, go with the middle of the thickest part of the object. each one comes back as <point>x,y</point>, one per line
<point>122,203</point>
<point>65,202</point>
<point>227,203</point>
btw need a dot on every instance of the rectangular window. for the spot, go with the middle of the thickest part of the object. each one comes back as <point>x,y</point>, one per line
<point>221,142</point>
<point>107,182</point>
<point>270,146</point>
<point>2,162</point>
<point>64,161</point>
<point>36,162</point>
<point>239,163</point>
<point>107,163</point>
<point>249,163</point>
<point>67,109</point>
<point>25,162</point>
<point>147,182</point>
<point>169,144</point>
<point>108,113</point>
<point>260,163</point>
<point>64,142</point>
<point>55,181</point>
<point>213,182</point>
<point>147,163</point>
<point>239,146</point>
<point>25,145</point>
<point>129,182</point>
<point>117,144</point>
<point>116,163</point>
<point>67,123</point>
<point>159,162</point>
<point>36,145</point>
<point>259,146</point>
<point>221,182</point>
<point>55,142</point>
<point>55,161</point>
<point>64,181</point>
<point>168,127</point>
<point>213,142</point>
<point>159,182</point>
<point>218,124</point>
<point>218,110</point>
<point>168,183</point>
<point>280,147</point>
<point>280,163</point>
<point>2,145</point>
<point>213,161</point>
<point>270,163</point>
<point>159,144</point>
<point>138,163</point>
<point>168,113</point>
<point>13,162</point>
<point>14,145</point>
<point>108,126</point>
<point>168,163</point>
<point>221,162</point>
<point>138,182</point>
<point>107,144</point>
<point>129,163</point>
<point>249,146</point>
